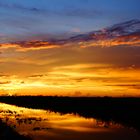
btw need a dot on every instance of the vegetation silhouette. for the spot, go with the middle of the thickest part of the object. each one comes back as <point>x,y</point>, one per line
<point>8,133</point>
<point>123,110</point>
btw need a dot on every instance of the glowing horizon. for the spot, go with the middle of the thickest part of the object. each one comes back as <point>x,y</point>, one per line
<point>69,70</point>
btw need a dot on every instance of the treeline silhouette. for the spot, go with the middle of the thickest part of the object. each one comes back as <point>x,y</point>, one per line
<point>120,110</point>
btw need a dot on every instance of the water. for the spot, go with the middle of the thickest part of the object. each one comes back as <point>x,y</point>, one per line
<point>48,125</point>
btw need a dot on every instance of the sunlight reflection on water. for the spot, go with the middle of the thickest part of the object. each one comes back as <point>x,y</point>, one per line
<point>45,124</point>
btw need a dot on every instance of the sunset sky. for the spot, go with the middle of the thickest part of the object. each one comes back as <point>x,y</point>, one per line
<point>32,62</point>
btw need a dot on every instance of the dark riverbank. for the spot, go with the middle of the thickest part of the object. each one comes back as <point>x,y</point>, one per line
<point>7,133</point>
<point>120,110</point>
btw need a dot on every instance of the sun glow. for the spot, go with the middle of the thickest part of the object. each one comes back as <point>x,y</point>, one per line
<point>90,68</point>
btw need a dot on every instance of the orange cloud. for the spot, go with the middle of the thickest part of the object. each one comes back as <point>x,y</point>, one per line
<point>65,68</point>
<point>131,40</point>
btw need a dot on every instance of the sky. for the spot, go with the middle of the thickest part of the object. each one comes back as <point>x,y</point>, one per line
<point>31,65</point>
<point>21,20</point>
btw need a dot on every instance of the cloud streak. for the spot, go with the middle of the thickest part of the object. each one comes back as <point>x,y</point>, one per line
<point>94,69</point>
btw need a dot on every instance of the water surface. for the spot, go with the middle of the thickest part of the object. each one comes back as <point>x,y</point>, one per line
<point>45,124</point>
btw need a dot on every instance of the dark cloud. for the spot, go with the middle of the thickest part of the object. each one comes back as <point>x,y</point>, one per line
<point>7,82</point>
<point>108,79</point>
<point>35,44</point>
<point>134,86</point>
<point>4,75</point>
<point>35,76</point>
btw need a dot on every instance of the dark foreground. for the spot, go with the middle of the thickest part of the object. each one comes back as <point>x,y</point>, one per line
<point>120,110</point>
<point>7,133</point>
